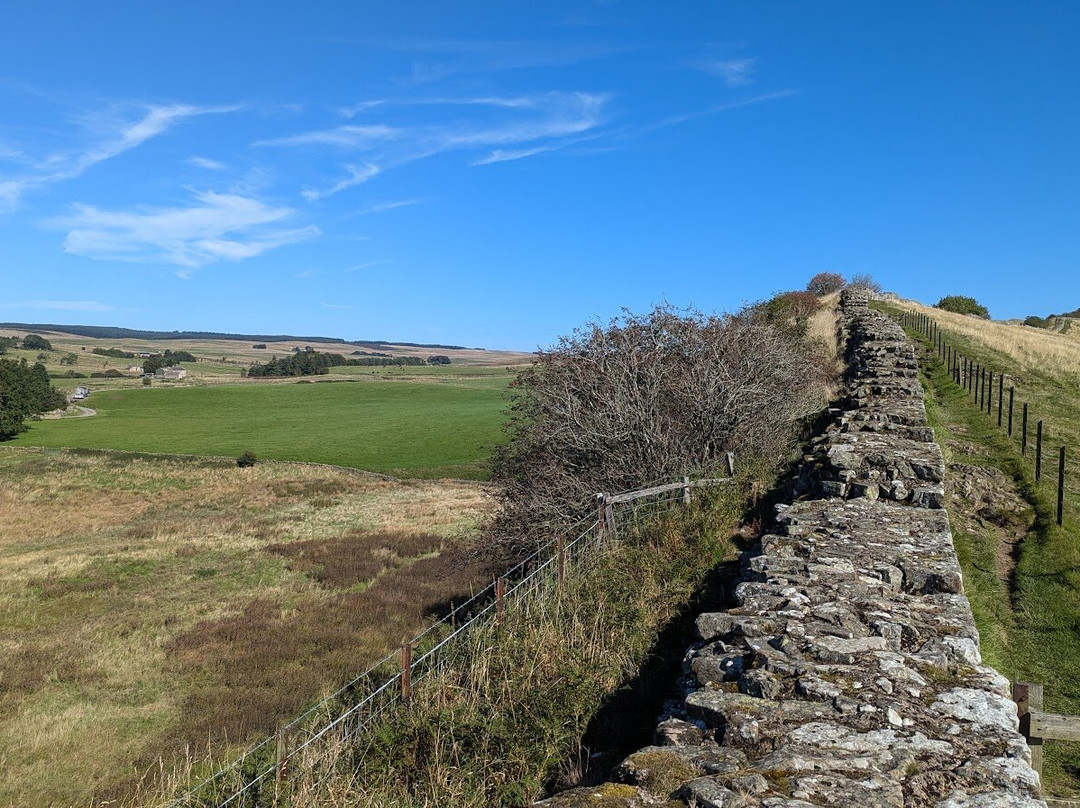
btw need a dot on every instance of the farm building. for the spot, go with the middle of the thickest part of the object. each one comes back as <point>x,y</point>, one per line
<point>171,373</point>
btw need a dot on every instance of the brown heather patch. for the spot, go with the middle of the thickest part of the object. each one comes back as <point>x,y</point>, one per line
<point>355,557</point>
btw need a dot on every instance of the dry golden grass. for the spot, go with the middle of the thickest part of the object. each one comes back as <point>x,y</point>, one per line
<point>148,605</point>
<point>1036,348</point>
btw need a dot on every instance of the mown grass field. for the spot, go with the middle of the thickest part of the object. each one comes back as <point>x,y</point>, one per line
<point>1025,598</point>
<point>151,606</point>
<point>425,424</point>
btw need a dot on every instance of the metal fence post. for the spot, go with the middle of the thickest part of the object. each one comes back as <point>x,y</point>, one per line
<point>1061,484</point>
<point>1038,451</point>
<point>1001,396</point>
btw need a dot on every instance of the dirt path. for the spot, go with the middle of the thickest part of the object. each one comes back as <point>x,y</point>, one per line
<point>84,412</point>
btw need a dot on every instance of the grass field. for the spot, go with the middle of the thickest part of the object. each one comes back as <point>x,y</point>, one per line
<point>149,605</point>
<point>422,424</point>
<point>1025,597</point>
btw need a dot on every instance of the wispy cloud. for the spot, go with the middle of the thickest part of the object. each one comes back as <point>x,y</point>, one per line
<point>217,227</point>
<point>342,137</point>
<point>511,126</point>
<point>207,163</point>
<point>380,207</point>
<point>362,106</point>
<point>505,155</point>
<point>336,306</point>
<point>111,135</point>
<point>363,266</point>
<point>734,72</point>
<point>358,175</point>
<point>307,273</point>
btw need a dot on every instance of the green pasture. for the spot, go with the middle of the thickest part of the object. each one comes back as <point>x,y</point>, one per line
<point>427,428</point>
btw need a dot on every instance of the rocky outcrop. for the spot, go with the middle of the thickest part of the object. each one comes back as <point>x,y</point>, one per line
<point>849,673</point>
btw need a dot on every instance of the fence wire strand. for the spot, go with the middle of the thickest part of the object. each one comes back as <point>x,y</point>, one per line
<point>345,715</point>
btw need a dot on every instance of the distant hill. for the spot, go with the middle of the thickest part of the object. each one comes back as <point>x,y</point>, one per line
<point>114,332</point>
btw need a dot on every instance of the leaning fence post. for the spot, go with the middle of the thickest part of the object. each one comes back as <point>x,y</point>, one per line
<point>1029,699</point>
<point>406,672</point>
<point>1061,483</point>
<point>685,490</point>
<point>1038,451</point>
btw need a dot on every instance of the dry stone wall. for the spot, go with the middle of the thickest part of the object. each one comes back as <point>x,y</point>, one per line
<point>849,674</point>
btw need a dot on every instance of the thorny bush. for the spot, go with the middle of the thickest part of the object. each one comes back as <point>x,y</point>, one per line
<point>646,398</point>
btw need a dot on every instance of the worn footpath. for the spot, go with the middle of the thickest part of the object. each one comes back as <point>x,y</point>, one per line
<point>849,674</point>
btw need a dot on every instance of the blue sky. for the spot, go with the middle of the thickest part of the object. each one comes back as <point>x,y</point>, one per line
<point>497,173</point>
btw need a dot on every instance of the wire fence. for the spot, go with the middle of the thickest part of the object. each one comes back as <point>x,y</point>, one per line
<point>987,387</point>
<point>307,743</point>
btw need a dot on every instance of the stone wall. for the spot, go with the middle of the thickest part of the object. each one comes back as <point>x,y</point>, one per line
<point>849,673</point>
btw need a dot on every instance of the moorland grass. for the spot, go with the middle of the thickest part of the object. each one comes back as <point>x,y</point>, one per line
<point>435,428</point>
<point>504,723</point>
<point>149,606</point>
<point>1030,625</point>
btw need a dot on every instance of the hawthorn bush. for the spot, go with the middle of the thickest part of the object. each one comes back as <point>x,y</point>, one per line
<point>644,398</point>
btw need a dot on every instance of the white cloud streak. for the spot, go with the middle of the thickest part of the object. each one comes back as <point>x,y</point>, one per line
<point>207,163</point>
<point>358,175</point>
<point>342,137</point>
<point>119,136</point>
<point>218,227</point>
<point>734,72</point>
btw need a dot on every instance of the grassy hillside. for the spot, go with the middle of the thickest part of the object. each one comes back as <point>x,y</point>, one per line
<point>443,428</point>
<point>148,605</point>
<point>1022,571</point>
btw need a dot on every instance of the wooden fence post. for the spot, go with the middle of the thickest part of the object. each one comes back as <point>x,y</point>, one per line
<point>1029,699</point>
<point>281,771</point>
<point>601,517</point>
<point>685,490</point>
<point>1012,393</point>
<point>730,458</point>
<point>406,672</point>
<point>560,549</point>
<point>1061,484</point>
<point>1023,431</point>
<point>990,395</point>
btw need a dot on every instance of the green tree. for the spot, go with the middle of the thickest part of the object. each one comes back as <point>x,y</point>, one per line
<point>961,304</point>
<point>33,342</point>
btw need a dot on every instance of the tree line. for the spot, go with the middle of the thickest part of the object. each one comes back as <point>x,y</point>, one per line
<point>24,391</point>
<point>318,363</point>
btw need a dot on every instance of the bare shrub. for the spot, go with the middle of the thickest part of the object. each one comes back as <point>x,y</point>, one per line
<point>866,281</point>
<point>825,283</point>
<point>645,398</point>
